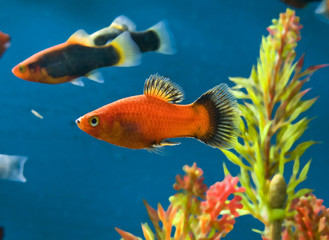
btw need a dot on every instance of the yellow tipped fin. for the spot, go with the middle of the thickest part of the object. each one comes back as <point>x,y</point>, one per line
<point>80,37</point>
<point>163,88</point>
<point>127,49</point>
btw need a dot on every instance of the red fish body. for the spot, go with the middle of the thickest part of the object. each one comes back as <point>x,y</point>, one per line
<point>4,42</point>
<point>146,121</point>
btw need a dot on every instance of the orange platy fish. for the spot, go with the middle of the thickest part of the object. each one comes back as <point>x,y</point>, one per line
<point>77,57</point>
<point>147,121</point>
<point>4,42</point>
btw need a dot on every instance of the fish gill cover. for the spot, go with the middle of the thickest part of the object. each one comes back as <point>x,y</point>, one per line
<point>271,107</point>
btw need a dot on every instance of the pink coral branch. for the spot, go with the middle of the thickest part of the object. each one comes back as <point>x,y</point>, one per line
<point>217,201</point>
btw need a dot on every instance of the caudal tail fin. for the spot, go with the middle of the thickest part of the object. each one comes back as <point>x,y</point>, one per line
<point>223,124</point>
<point>129,54</point>
<point>167,42</point>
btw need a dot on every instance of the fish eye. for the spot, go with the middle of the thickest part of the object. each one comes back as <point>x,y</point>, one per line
<point>22,69</point>
<point>94,121</point>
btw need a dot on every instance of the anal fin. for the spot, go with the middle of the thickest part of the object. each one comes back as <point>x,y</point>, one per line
<point>168,143</point>
<point>164,143</point>
<point>156,148</point>
<point>95,76</point>
<point>77,82</point>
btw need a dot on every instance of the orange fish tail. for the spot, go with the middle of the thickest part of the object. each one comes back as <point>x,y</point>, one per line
<point>220,124</point>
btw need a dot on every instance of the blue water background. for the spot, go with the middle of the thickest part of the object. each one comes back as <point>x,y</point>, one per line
<point>81,188</point>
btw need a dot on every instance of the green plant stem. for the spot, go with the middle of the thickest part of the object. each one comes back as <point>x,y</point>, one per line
<point>275,230</point>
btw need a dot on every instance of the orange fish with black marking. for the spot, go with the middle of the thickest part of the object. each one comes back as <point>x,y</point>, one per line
<point>78,57</point>
<point>147,121</point>
<point>4,42</point>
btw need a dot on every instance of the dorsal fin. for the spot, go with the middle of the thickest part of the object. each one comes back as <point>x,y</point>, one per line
<point>80,37</point>
<point>163,88</point>
<point>123,23</point>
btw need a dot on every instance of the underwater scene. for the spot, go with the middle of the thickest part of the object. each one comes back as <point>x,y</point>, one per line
<point>164,119</point>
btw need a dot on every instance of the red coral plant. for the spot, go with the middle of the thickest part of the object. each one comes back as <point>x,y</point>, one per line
<point>195,212</point>
<point>310,221</point>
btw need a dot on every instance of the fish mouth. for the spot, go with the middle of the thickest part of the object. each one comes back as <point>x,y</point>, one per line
<point>16,72</point>
<point>78,121</point>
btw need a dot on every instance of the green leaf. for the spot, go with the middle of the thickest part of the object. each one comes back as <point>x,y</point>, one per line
<point>299,64</point>
<point>300,149</point>
<point>148,234</point>
<point>226,171</point>
<point>295,168</point>
<point>264,132</point>
<point>312,69</point>
<point>234,159</point>
<point>259,172</point>
<point>241,212</point>
<point>243,82</point>
<point>302,192</point>
<point>126,235</point>
<point>243,152</point>
<point>245,182</point>
<point>153,215</point>
<point>258,231</point>
<point>291,90</point>
<point>255,98</point>
<point>286,75</point>
<point>239,94</point>
<point>280,134</point>
<point>293,183</point>
<point>281,163</point>
<point>247,205</point>
<point>295,101</point>
<point>303,106</point>
<point>292,186</point>
<point>253,75</point>
<point>293,133</point>
<point>303,173</point>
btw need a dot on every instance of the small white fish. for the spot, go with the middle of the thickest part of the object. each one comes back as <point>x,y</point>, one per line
<point>12,167</point>
<point>35,113</point>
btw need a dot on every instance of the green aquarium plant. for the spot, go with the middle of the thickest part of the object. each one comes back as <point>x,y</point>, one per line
<point>272,108</point>
<point>273,120</point>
